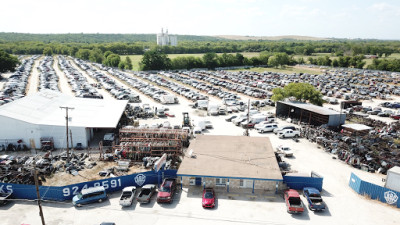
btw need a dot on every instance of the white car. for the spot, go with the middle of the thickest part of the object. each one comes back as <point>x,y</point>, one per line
<point>267,128</point>
<point>127,196</point>
<point>286,151</point>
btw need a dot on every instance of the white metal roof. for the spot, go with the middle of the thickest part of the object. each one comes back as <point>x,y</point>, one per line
<point>43,108</point>
<point>358,127</point>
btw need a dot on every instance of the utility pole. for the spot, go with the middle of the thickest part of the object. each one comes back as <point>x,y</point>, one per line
<point>248,118</point>
<point>72,144</point>
<point>38,194</point>
<point>66,120</point>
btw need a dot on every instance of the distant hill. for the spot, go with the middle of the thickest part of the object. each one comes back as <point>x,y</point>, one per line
<point>271,38</point>
<point>94,38</point>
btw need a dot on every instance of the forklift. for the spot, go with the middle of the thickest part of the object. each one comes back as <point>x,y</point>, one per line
<point>186,120</point>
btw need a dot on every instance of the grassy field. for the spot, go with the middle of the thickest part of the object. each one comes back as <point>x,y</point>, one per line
<point>136,58</point>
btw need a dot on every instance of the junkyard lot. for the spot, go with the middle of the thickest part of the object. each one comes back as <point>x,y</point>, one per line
<point>344,205</point>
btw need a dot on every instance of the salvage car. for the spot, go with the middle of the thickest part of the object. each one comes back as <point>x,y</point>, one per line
<point>314,199</point>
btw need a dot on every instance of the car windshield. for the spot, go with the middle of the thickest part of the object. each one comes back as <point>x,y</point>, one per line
<point>208,195</point>
<point>165,189</point>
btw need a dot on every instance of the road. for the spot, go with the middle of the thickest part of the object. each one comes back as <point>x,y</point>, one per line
<point>62,82</point>
<point>33,81</point>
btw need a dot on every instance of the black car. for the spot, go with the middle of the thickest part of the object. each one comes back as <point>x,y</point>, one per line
<point>229,119</point>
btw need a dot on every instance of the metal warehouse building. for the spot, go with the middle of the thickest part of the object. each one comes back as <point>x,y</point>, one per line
<point>310,114</point>
<point>231,162</point>
<point>33,117</point>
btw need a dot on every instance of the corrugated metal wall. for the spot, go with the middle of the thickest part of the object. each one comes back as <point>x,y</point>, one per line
<point>300,182</point>
<point>65,193</point>
<point>374,191</point>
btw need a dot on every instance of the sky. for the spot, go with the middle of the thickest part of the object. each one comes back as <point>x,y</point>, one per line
<point>317,18</point>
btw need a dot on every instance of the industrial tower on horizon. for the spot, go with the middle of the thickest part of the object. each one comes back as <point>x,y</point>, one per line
<point>163,39</point>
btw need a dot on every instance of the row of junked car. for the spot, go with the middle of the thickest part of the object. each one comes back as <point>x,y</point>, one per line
<point>108,82</point>
<point>165,194</point>
<point>236,85</point>
<point>368,110</point>
<point>207,88</point>
<point>173,86</point>
<point>48,78</point>
<point>77,81</point>
<point>15,87</point>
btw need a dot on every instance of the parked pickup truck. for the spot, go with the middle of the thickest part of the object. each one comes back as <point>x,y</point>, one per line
<point>145,194</point>
<point>167,191</point>
<point>293,201</point>
<point>288,133</point>
<point>4,197</point>
<point>314,199</point>
<point>127,196</point>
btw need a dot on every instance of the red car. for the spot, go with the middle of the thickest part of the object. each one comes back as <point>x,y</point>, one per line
<point>208,200</point>
<point>396,117</point>
<point>167,191</point>
<point>293,201</point>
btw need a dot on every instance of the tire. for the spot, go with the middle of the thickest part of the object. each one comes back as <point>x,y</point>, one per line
<point>100,200</point>
<point>296,136</point>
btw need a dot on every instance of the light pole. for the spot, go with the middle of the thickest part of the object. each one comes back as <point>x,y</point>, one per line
<point>66,120</point>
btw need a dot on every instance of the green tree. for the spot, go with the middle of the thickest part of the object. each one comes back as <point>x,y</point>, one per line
<point>335,63</point>
<point>155,60</point>
<point>121,65</point>
<point>273,62</point>
<point>282,58</point>
<point>301,91</point>
<point>128,63</point>
<point>96,55</point>
<point>83,54</point>
<point>112,60</point>
<point>107,53</point>
<point>48,51</point>
<point>210,60</point>
<point>7,62</point>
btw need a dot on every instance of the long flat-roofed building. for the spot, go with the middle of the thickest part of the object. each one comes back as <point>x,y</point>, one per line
<point>231,162</point>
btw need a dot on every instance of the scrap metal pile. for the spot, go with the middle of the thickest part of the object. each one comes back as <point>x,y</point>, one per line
<point>141,144</point>
<point>19,169</point>
<point>375,151</point>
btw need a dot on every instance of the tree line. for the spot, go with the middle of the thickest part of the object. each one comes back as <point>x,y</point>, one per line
<point>158,60</point>
<point>138,47</point>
